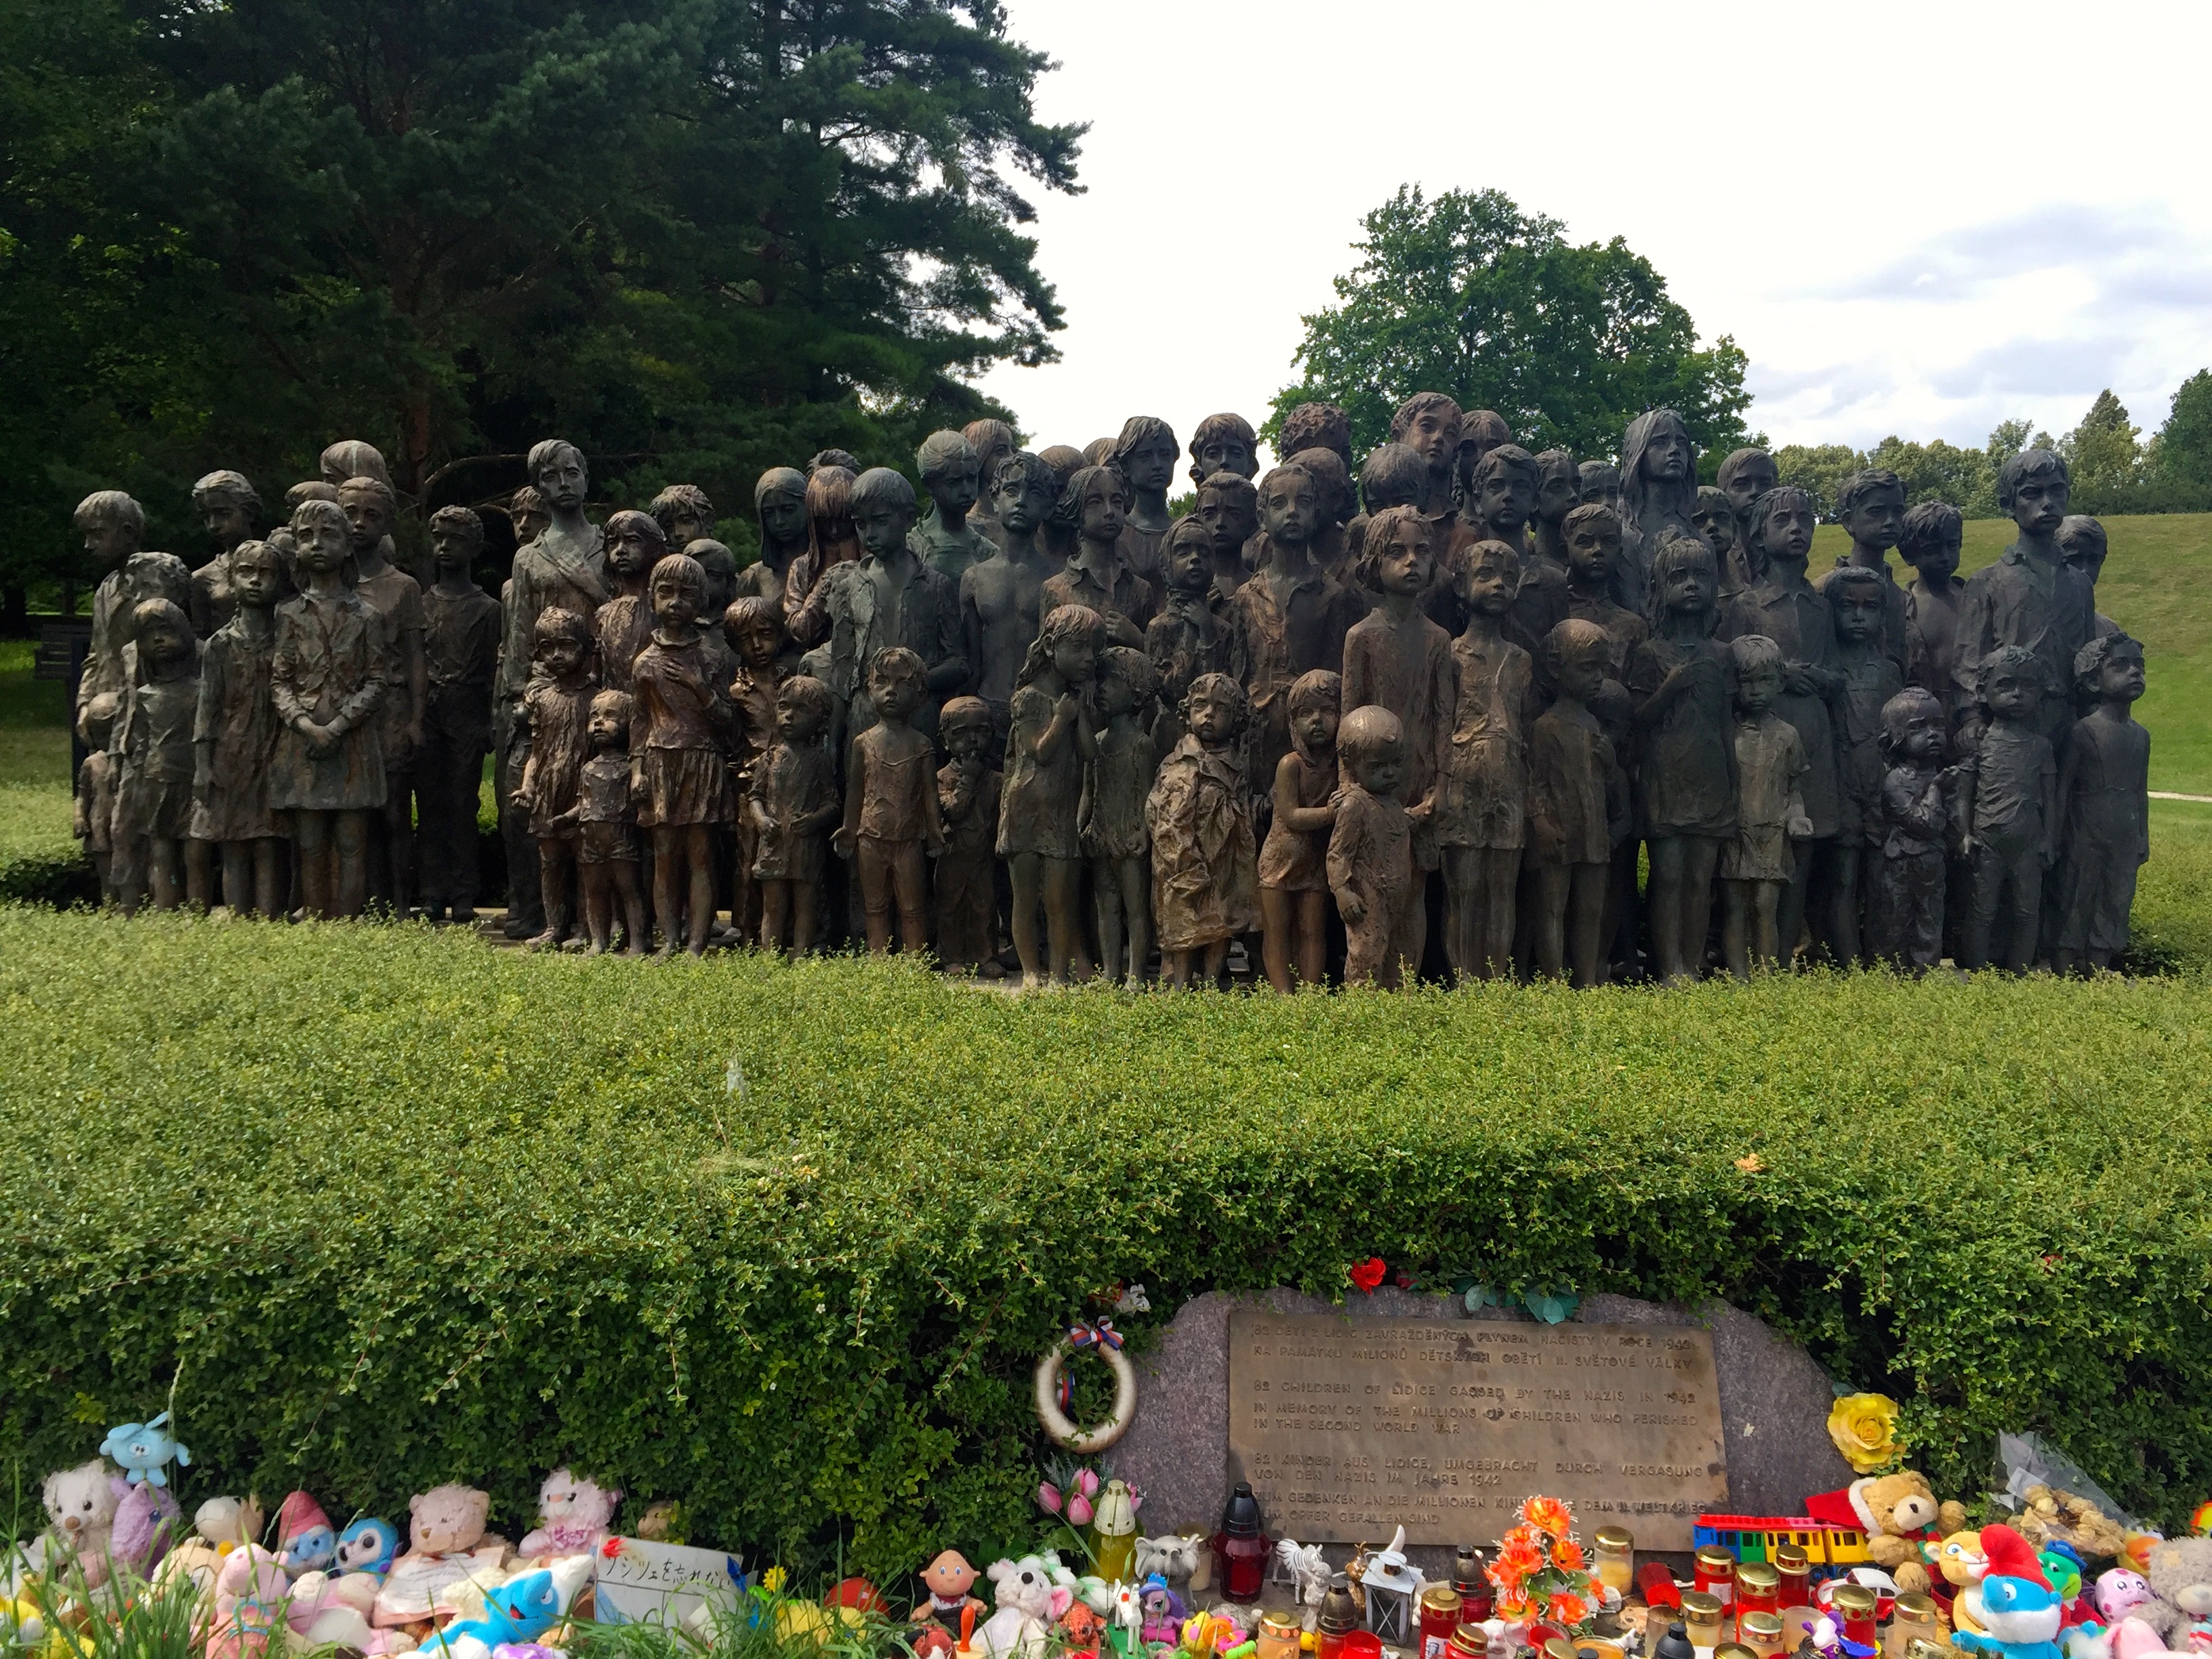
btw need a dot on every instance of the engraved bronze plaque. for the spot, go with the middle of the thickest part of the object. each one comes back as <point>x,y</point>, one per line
<point>1346,1427</point>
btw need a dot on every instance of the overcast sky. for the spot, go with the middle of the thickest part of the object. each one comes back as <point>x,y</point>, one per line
<point>1916,218</point>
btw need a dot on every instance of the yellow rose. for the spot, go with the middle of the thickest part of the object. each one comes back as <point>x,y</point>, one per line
<point>1864,1428</point>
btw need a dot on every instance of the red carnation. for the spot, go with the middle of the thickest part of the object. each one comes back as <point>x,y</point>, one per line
<point>1368,1274</point>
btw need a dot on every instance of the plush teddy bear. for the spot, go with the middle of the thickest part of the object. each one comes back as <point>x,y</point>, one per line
<point>2180,1577</point>
<point>447,1529</point>
<point>250,1592</point>
<point>80,1505</point>
<point>1031,1593</point>
<point>1898,1513</point>
<point>577,1517</point>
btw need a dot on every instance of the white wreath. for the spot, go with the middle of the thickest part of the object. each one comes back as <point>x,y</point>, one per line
<point>1058,1427</point>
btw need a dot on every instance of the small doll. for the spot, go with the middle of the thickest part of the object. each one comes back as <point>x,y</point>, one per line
<point>1577,806</point>
<point>1111,821</point>
<point>1371,850</point>
<point>968,806</point>
<point>1052,734</point>
<point>154,764</point>
<point>601,826</point>
<point>890,805</point>
<point>2010,806</point>
<point>326,678</point>
<point>1859,597</point>
<point>1685,752</point>
<point>1165,1613</point>
<point>678,774</point>
<point>1770,766</point>
<point>556,707</point>
<point>752,625</point>
<point>1906,888</point>
<point>623,625</point>
<point>1481,818</point>
<point>1293,881</point>
<point>1186,639</point>
<point>792,806</point>
<point>1206,866</point>
<point>2104,808</point>
<point>949,1577</point>
<point>235,736</point>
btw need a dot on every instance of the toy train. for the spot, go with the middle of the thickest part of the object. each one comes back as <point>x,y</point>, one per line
<point>1758,1537</point>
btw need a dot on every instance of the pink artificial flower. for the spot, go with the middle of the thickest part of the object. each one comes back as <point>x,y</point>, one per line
<point>1086,1482</point>
<point>1078,1509</point>
<point>1048,1497</point>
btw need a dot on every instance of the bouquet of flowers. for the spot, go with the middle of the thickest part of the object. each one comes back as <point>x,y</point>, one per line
<point>1541,1574</point>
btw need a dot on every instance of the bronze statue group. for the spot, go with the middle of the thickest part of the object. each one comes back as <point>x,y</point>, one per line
<point>1468,711</point>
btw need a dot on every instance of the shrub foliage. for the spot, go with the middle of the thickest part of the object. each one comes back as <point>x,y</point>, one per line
<point>385,1209</point>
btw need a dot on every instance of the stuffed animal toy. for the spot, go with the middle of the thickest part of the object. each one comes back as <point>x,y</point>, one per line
<point>2180,1577</point>
<point>80,1505</point>
<point>327,1612</point>
<point>1181,1559</point>
<point>227,1522</point>
<point>146,1522</point>
<point>948,1579</point>
<point>1079,1629</point>
<point>2015,1604</point>
<point>448,1526</point>
<point>575,1516</point>
<point>1898,1513</point>
<point>520,1610</point>
<point>144,1451</point>
<point>1031,1593</point>
<point>306,1542</point>
<point>250,1594</point>
<point>2118,1592</point>
<point>367,1546</point>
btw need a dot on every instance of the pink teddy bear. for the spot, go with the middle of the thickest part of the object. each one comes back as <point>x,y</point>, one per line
<point>577,1514</point>
<point>250,1591</point>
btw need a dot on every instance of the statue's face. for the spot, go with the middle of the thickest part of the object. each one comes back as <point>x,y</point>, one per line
<point>165,640</point>
<point>783,516</point>
<point>256,578</point>
<point>2039,503</point>
<point>1506,497</point>
<point>1755,478</point>
<point>1406,563</point>
<point>1228,517</point>
<point>228,523</point>
<point>953,488</point>
<point>1226,453</point>
<point>1877,518</point>
<point>882,528</point>
<point>562,480</point>
<point>367,518</point>
<point>1558,491</point>
<point>453,550</point>
<point>1291,508</point>
<point>1150,465</point>
<point>1591,549</point>
<point>1715,522</point>
<point>1667,457</point>
<point>1688,585</point>
<point>1105,508</point>
<point>1788,529</point>
<point>1024,501</point>
<point>322,545</point>
<point>1433,434</point>
<point>108,543</point>
<point>1491,583</point>
<point>529,520</point>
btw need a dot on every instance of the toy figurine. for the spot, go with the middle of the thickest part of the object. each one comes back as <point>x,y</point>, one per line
<point>1187,638</point>
<point>1098,578</point>
<point>1906,884</point>
<point>2104,808</point>
<point>948,1579</point>
<point>1370,854</point>
<point>556,710</point>
<point>1145,455</point>
<point>1164,1612</point>
<point>306,1541</point>
<point>1052,734</point>
<point>999,597</point>
<point>1480,821</point>
<point>951,477</point>
<point>794,804</point>
<point>968,805</point>
<point>1577,806</point>
<point>682,712</point>
<point>1770,762</point>
<point>779,508</point>
<point>1229,508</point>
<point>2019,1612</point>
<point>460,645</point>
<point>1686,762</point>
<point>623,625</point>
<point>1111,822</point>
<point>2010,808</point>
<point>890,805</point>
<point>367,1546</point>
<point>1224,443</point>
<point>601,825</point>
<point>1870,678</point>
<point>574,1516</point>
<point>326,680</point>
<point>1293,874</point>
<point>1206,875</point>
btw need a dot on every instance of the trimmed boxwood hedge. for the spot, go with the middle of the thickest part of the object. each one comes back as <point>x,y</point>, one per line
<point>389,1209</point>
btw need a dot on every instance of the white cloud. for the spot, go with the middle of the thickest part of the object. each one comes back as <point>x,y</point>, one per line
<point>1914,217</point>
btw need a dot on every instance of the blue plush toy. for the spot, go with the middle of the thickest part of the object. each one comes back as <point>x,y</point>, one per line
<point>143,1452</point>
<point>2022,1618</point>
<point>367,1546</point>
<point>519,1611</point>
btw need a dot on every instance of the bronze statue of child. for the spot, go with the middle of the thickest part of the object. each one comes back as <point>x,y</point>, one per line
<point>1229,508</point>
<point>602,823</point>
<point>155,765</point>
<point>968,806</point>
<point>793,806</point>
<point>230,507</point>
<point>1188,637</point>
<point>1934,532</point>
<point>1111,823</point>
<point>780,509</point>
<point>1052,733</point>
<point>1714,515</point>
<point>556,709</point>
<point>1294,858</point>
<point>2104,807</point>
<point>1685,752</point>
<point>1870,503</point>
<point>326,678</point>
<point>1392,476</point>
<point>1206,866</point>
<point>460,649</point>
<point>1578,807</point>
<point>623,625</point>
<point>2081,542</point>
<point>683,710</point>
<point>1857,595</point>
<point>1600,484</point>
<point>890,805</point>
<point>2010,809</point>
<point>1224,443</point>
<point>1905,885</point>
<point>952,477</point>
<point>1744,475</point>
<point>235,736</point>
<point>372,510</point>
<point>1000,599</point>
<point>1098,578</point>
<point>1770,765</point>
<point>1371,851</point>
<point>1481,823</point>
<point>1145,455</point>
<point>752,626</point>
<point>1558,492</point>
<point>1331,478</point>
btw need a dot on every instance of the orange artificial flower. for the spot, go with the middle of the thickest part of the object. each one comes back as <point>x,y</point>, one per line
<point>1567,1608</point>
<point>1565,1553</point>
<point>1548,1514</point>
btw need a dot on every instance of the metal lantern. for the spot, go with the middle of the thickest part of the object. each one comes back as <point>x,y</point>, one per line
<point>1394,1592</point>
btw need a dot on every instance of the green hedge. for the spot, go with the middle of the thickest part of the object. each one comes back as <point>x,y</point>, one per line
<point>784,1242</point>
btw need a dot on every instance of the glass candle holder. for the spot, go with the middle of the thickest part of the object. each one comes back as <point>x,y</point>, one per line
<point>1702,1613</point>
<point>1761,1633</point>
<point>1612,1558</point>
<point>1714,1572</point>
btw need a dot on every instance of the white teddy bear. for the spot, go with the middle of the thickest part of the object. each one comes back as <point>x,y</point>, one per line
<point>1030,1595</point>
<point>80,1505</point>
